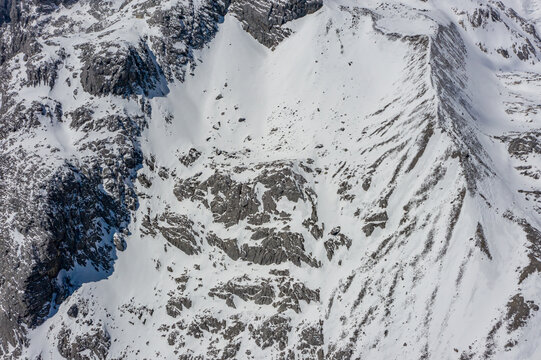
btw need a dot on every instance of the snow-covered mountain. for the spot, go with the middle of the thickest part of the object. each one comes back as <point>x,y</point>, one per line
<point>270,179</point>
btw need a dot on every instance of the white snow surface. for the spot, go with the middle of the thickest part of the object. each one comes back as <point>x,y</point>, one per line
<point>341,92</point>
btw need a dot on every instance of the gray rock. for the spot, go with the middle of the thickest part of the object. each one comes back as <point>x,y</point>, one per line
<point>312,341</point>
<point>60,209</point>
<point>336,242</point>
<point>95,343</point>
<point>374,221</point>
<point>73,311</point>
<point>264,20</point>
<point>120,241</point>
<point>129,71</point>
<point>335,231</point>
<point>519,311</point>
<point>178,230</point>
<point>260,294</point>
<point>176,304</point>
<point>273,331</point>
<point>190,26</point>
<point>191,157</point>
<point>233,202</point>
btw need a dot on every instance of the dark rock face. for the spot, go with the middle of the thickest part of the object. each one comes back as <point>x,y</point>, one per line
<point>276,248</point>
<point>16,39</point>
<point>175,305</point>
<point>5,6</point>
<point>128,72</point>
<point>194,26</point>
<point>273,332</point>
<point>523,144</point>
<point>17,34</point>
<point>270,248</point>
<point>481,16</point>
<point>178,230</point>
<point>264,19</point>
<point>205,323</point>
<point>374,221</point>
<point>94,345</point>
<point>189,25</point>
<point>42,73</point>
<point>191,157</point>
<point>65,210</point>
<point>312,341</point>
<point>261,292</point>
<point>519,311</point>
<point>73,311</point>
<point>336,242</point>
<point>69,221</point>
<point>233,202</point>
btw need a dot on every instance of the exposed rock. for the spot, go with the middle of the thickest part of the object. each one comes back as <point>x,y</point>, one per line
<point>129,71</point>
<point>233,201</point>
<point>45,73</point>
<point>276,248</point>
<point>481,241</point>
<point>184,28</point>
<point>523,144</point>
<point>73,311</point>
<point>492,14</point>
<point>229,246</point>
<point>95,344</point>
<point>312,341</point>
<point>334,243</point>
<point>175,305</point>
<point>191,157</point>
<point>374,221</point>
<point>519,311</point>
<point>264,20</point>
<point>178,230</point>
<point>205,323</point>
<point>273,331</point>
<point>120,241</point>
<point>143,180</point>
<point>261,292</point>
<point>273,248</point>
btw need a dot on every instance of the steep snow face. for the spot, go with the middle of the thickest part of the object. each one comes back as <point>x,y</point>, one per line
<point>364,185</point>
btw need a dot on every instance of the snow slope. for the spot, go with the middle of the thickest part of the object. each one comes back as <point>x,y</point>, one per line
<point>369,188</point>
